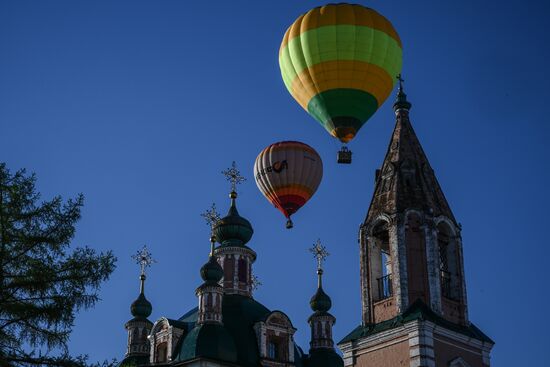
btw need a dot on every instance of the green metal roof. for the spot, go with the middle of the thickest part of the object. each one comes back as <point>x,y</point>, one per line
<point>324,358</point>
<point>417,311</point>
<point>134,361</point>
<point>240,313</point>
<point>210,341</point>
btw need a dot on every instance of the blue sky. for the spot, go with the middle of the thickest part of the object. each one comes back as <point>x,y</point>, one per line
<point>140,104</point>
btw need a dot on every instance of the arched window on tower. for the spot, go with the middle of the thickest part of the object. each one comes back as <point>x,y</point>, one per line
<point>243,270</point>
<point>381,262</point>
<point>448,262</point>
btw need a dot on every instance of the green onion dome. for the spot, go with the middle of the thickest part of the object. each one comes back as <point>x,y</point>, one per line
<point>141,307</point>
<point>233,230</point>
<point>320,301</point>
<point>211,272</point>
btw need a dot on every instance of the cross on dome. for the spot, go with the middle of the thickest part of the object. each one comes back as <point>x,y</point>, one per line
<point>234,176</point>
<point>256,283</point>
<point>211,216</point>
<point>401,80</point>
<point>319,252</point>
<point>144,259</point>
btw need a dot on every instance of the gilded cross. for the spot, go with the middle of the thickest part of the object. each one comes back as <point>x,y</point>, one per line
<point>144,259</point>
<point>319,252</point>
<point>255,282</point>
<point>211,216</point>
<point>233,175</point>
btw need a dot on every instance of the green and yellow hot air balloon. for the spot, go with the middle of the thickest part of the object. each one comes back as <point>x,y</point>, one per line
<point>339,62</point>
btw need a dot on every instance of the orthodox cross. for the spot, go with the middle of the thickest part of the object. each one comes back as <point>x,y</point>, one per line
<point>144,259</point>
<point>211,216</point>
<point>320,253</point>
<point>255,282</point>
<point>401,80</point>
<point>233,175</point>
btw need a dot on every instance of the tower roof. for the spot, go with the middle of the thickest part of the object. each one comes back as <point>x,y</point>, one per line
<point>141,307</point>
<point>406,180</point>
<point>233,230</point>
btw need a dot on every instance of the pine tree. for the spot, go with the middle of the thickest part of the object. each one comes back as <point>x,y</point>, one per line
<point>43,283</point>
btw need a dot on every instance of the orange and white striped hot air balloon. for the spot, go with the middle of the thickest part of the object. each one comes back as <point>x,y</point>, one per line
<point>288,173</point>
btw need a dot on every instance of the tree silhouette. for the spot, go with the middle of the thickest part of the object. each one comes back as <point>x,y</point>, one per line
<point>43,282</point>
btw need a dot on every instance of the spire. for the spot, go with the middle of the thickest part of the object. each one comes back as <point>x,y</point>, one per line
<point>233,233</point>
<point>401,102</point>
<point>320,302</point>
<point>141,307</point>
<point>321,352</point>
<point>138,328</point>
<point>210,293</point>
<point>233,230</point>
<point>406,179</point>
<point>212,217</point>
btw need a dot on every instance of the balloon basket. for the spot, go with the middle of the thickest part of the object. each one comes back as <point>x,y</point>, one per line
<point>289,224</point>
<point>344,156</point>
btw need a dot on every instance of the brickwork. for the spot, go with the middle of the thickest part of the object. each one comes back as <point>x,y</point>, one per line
<point>411,253</point>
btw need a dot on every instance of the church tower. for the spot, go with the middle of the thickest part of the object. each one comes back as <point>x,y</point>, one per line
<point>138,328</point>
<point>321,352</point>
<point>413,290</point>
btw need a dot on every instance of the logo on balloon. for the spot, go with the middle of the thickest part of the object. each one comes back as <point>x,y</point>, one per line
<point>276,167</point>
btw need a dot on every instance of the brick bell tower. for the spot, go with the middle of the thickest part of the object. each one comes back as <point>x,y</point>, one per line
<point>413,290</point>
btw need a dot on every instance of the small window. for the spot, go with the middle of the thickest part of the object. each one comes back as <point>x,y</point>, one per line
<point>272,350</point>
<point>243,270</point>
<point>162,353</point>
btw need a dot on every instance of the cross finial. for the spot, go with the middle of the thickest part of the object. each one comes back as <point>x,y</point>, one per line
<point>211,216</point>
<point>320,253</point>
<point>144,259</point>
<point>233,175</point>
<point>255,282</point>
<point>401,80</point>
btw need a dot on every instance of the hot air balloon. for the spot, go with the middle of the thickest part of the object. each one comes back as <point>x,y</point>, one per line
<point>288,174</point>
<point>339,62</point>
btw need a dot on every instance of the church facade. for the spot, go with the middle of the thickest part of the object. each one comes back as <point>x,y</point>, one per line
<point>229,327</point>
<point>413,289</point>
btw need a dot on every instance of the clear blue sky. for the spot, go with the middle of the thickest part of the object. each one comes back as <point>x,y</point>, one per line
<point>140,104</point>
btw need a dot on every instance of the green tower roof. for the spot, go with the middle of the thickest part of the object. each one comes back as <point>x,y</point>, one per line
<point>320,302</point>
<point>141,307</point>
<point>211,272</point>
<point>233,230</point>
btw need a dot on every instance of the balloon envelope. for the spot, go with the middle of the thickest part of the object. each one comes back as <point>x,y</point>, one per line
<point>288,173</point>
<point>339,62</point>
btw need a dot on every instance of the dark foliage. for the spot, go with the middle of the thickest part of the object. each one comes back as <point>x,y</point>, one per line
<point>43,283</point>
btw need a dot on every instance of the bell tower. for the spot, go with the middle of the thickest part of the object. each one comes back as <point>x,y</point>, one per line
<point>413,290</point>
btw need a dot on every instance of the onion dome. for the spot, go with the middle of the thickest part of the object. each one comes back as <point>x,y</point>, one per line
<point>320,301</point>
<point>233,230</point>
<point>211,272</point>
<point>141,307</point>
<point>401,100</point>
